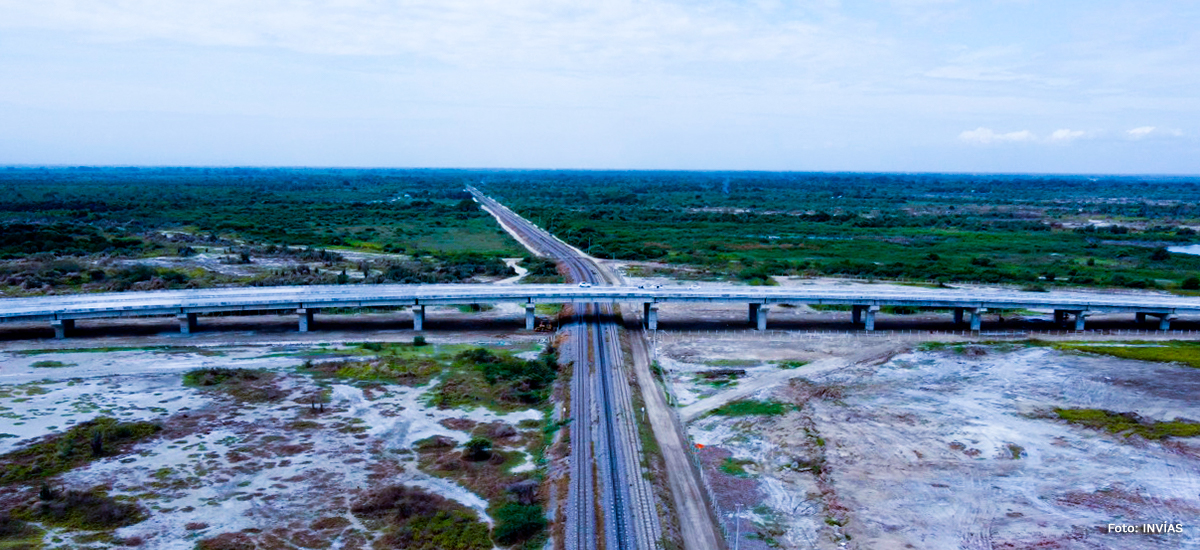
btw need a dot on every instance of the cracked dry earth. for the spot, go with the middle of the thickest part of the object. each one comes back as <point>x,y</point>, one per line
<point>945,449</point>
<point>272,474</point>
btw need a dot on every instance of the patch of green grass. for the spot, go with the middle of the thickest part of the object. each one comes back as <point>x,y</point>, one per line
<point>1129,423</point>
<point>19,535</point>
<point>735,468</point>
<point>732,363</point>
<point>750,407</point>
<point>788,365</point>
<point>81,444</point>
<point>50,364</point>
<point>1187,353</point>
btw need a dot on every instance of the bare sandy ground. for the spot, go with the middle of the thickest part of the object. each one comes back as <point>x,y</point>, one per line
<point>274,470</point>
<point>937,449</point>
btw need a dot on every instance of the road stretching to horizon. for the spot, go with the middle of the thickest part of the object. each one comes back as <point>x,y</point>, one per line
<point>610,501</point>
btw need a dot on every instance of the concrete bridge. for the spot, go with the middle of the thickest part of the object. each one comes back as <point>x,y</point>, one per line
<point>62,312</point>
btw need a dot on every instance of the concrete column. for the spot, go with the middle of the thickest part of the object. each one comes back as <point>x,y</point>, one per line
<point>760,321</point>
<point>418,318</point>
<point>530,316</point>
<point>652,317</point>
<point>62,327</point>
<point>1164,322</point>
<point>753,316</point>
<point>1080,316</point>
<point>869,318</point>
<point>977,318</point>
<point>1141,317</point>
<point>856,314</point>
<point>958,315</point>
<point>187,323</point>
<point>306,319</point>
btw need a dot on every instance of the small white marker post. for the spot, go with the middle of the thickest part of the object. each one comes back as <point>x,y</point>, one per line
<point>737,539</point>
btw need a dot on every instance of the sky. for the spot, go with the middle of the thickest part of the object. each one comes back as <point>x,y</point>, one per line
<point>1025,86</point>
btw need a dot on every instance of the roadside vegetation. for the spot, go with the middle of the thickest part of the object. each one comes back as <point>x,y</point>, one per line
<point>1034,231</point>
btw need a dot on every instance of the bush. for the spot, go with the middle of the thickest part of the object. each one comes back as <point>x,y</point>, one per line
<point>1191,283</point>
<point>478,449</point>
<point>58,453</point>
<point>84,510</point>
<point>516,522</point>
<point>419,341</point>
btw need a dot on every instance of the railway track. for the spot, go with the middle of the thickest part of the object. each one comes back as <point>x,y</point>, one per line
<point>609,502</point>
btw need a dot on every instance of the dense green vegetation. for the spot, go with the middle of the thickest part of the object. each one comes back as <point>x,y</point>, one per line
<point>518,522</point>
<point>82,443</point>
<point>499,382</point>
<point>60,228</point>
<point>1129,423</point>
<point>753,225</point>
<point>1187,353</point>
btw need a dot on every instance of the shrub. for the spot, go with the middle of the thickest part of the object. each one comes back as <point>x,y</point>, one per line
<point>517,522</point>
<point>419,341</point>
<point>478,448</point>
<point>1191,283</point>
<point>86,510</point>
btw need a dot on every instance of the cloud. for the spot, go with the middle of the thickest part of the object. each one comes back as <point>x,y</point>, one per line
<point>1147,131</point>
<point>555,34</point>
<point>985,136</point>
<point>1065,136</point>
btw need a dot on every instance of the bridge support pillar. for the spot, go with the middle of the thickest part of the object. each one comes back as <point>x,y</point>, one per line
<point>1080,319</point>
<point>530,316</point>
<point>62,327</point>
<point>760,321</point>
<point>869,316</point>
<point>752,318</point>
<point>1164,321</point>
<point>856,314</point>
<point>977,318</point>
<point>187,323</point>
<point>958,315</point>
<point>652,316</point>
<point>306,319</point>
<point>1141,317</point>
<point>418,318</point>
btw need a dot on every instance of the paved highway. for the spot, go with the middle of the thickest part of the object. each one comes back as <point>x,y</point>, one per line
<point>609,501</point>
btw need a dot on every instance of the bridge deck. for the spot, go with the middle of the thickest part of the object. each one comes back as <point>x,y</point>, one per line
<point>176,302</point>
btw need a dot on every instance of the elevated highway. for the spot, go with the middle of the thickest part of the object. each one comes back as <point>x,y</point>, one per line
<point>63,311</point>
